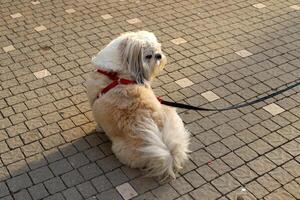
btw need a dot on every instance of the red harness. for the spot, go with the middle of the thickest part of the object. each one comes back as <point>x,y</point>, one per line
<point>116,81</point>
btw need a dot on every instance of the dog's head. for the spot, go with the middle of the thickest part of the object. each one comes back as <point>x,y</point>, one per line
<point>137,54</point>
<point>141,55</point>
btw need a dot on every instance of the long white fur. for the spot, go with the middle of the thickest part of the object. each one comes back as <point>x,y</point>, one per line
<point>164,151</point>
<point>165,148</point>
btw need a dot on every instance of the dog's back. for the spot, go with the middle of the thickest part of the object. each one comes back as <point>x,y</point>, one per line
<point>144,133</point>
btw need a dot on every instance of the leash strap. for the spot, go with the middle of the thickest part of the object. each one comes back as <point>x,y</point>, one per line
<point>240,105</point>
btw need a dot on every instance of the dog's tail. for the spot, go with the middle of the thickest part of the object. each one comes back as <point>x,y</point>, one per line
<point>166,150</point>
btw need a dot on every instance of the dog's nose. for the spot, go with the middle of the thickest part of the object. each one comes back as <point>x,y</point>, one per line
<point>158,56</point>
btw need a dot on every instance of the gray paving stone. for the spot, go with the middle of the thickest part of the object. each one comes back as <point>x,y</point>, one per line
<point>117,177</point>
<point>41,174</point>
<point>101,183</point>
<point>181,186</point>
<point>22,195</point>
<point>142,185</point>
<point>54,185</point>
<point>19,182</point>
<point>38,191</point>
<point>60,167</point>
<point>72,194</point>
<point>165,192</point>
<point>86,189</point>
<point>108,163</point>
<point>3,189</point>
<point>72,178</point>
<point>90,171</point>
<point>110,194</point>
<point>57,196</point>
<point>206,191</point>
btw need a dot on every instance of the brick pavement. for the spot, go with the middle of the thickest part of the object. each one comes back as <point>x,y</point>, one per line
<point>219,52</point>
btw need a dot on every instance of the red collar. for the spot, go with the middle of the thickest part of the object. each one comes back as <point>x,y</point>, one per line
<point>116,80</point>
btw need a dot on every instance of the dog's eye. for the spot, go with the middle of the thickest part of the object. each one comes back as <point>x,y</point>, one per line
<point>148,57</point>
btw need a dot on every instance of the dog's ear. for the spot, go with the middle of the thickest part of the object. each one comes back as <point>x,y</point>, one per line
<point>131,51</point>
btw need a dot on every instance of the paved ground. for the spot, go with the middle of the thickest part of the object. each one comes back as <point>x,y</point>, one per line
<point>220,53</point>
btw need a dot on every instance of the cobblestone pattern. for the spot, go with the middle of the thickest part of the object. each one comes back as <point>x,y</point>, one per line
<point>219,53</point>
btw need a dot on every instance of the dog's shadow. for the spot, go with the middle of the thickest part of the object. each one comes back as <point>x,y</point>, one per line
<point>88,157</point>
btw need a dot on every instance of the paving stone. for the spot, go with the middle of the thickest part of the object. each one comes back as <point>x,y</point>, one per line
<point>117,177</point>
<point>281,175</point>
<point>126,191</point>
<point>7,198</point>
<point>178,41</point>
<point>16,15</point>
<point>260,146</point>
<point>232,160</point>
<point>181,185</point>
<point>90,171</point>
<point>293,188</point>
<point>52,141</point>
<point>273,109</point>
<point>295,7</point>
<point>146,196</point>
<point>243,53</point>
<point>210,96</point>
<point>54,185</point>
<point>72,194</point>
<point>268,182</point>
<point>185,82</point>
<point>72,178</point>
<point>101,183</point>
<point>142,185</point>
<point>201,157</point>
<point>12,156</point>
<point>4,174</point>
<point>165,192</point>
<point>8,48</point>
<point>19,182</point>
<point>280,194</point>
<point>78,160</point>
<point>109,194</point>
<point>225,183</point>
<point>73,134</point>
<point>217,149</point>
<point>3,189</point>
<point>207,173</point>
<point>256,189</point>
<point>259,5</point>
<point>94,154</point>
<point>278,156</point>
<point>261,165</point>
<point>108,163</point>
<point>22,195</point>
<point>134,21</point>
<point>106,16</point>
<point>86,189</point>
<point>205,192</point>
<point>18,168</point>
<point>35,2</point>
<point>40,174</point>
<point>246,153</point>
<point>40,28</point>
<point>70,11</point>
<point>38,191</point>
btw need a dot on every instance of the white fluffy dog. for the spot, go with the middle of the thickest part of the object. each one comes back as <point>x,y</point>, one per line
<point>144,133</point>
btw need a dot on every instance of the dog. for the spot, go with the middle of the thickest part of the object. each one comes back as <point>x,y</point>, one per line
<point>144,133</point>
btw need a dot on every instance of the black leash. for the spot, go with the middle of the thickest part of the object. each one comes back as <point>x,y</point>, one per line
<point>240,105</point>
